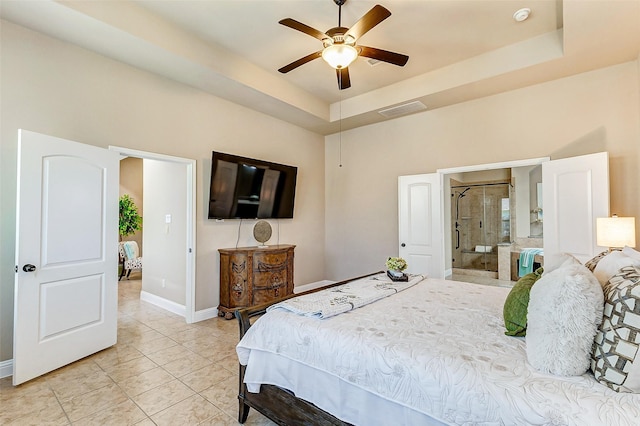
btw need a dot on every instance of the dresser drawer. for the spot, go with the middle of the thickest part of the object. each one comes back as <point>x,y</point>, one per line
<point>265,261</point>
<point>252,276</point>
<point>266,295</point>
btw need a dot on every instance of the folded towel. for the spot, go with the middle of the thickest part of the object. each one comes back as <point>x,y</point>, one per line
<point>526,260</point>
<point>336,300</point>
<point>130,249</point>
<point>483,249</point>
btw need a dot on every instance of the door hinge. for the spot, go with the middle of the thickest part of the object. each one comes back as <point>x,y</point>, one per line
<point>189,249</point>
<point>16,269</point>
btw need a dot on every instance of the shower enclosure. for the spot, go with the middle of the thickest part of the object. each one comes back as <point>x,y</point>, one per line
<point>480,218</point>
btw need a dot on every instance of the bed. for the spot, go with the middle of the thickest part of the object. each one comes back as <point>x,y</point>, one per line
<point>434,353</point>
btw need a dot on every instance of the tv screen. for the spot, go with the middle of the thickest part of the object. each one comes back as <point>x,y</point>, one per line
<point>246,188</point>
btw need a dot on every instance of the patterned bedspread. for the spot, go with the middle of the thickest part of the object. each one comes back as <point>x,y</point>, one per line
<point>439,347</point>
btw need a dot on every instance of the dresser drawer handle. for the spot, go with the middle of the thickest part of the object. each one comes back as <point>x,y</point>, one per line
<point>270,267</point>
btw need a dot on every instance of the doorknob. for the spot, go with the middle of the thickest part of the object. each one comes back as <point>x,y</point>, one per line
<point>403,245</point>
<point>29,267</point>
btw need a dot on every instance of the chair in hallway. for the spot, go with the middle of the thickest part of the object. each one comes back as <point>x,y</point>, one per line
<point>130,258</point>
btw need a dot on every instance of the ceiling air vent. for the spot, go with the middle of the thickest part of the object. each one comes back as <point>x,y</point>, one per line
<point>403,109</point>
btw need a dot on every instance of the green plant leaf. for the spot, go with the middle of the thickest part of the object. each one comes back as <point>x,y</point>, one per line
<point>130,219</point>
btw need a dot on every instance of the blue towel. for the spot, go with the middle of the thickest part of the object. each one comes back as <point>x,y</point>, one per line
<point>129,249</point>
<point>526,260</point>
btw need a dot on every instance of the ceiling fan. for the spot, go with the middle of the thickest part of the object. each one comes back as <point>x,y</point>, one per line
<point>340,48</point>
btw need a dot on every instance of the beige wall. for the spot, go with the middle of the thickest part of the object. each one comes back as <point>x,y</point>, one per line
<point>58,89</point>
<point>586,113</point>
<point>165,261</point>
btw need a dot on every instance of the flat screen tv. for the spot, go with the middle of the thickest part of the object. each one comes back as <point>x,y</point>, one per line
<point>246,188</point>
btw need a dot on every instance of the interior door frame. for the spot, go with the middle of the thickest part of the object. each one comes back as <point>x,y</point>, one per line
<point>190,249</point>
<point>446,230</point>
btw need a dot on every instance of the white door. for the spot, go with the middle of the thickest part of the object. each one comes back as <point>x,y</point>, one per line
<point>66,290</point>
<point>420,216</point>
<point>575,192</point>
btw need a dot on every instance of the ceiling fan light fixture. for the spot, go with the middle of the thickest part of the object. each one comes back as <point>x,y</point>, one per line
<point>339,55</point>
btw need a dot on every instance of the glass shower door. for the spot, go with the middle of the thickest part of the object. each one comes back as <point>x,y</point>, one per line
<point>480,216</point>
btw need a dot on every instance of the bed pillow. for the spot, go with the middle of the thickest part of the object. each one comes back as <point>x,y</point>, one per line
<point>593,262</point>
<point>609,265</point>
<point>615,360</point>
<point>565,310</point>
<point>559,260</point>
<point>515,306</point>
<point>631,252</point>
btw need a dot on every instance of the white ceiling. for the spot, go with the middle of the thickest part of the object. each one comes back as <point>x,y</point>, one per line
<point>459,49</point>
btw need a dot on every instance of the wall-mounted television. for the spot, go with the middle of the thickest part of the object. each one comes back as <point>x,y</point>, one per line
<point>246,188</point>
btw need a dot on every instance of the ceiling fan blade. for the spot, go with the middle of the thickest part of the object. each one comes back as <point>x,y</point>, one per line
<point>383,55</point>
<point>295,64</point>
<point>292,23</point>
<point>344,82</point>
<point>370,19</point>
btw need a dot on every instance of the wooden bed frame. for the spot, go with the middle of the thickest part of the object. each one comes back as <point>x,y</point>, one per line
<point>280,405</point>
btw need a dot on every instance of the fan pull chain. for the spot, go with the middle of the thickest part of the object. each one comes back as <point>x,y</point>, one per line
<point>340,130</point>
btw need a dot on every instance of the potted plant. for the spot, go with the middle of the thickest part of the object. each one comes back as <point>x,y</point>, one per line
<point>130,219</point>
<point>395,266</point>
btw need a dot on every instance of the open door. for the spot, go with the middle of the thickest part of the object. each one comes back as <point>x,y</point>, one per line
<point>66,291</point>
<point>419,214</point>
<point>575,192</point>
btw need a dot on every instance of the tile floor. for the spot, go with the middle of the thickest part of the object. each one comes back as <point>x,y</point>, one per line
<point>161,372</point>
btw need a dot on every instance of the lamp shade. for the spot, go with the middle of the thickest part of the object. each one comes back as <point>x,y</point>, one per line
<point>616,231</point>
<point>339,55</point>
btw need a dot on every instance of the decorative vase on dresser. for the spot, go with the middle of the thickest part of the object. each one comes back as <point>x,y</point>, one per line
<point>252,276</point>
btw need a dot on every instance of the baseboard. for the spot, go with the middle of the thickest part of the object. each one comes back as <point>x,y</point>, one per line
<point>448,273</point>
<point>205,314</point>
<point>311,286</point>
<point>163,303</point>
<point>6,368</point>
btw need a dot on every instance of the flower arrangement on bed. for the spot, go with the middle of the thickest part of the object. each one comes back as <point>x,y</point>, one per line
<point>560,347</point>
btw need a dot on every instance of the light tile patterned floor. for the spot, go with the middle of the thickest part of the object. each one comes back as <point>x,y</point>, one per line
<point>162,372</point>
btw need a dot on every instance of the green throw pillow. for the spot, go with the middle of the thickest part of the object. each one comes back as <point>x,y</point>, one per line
<point>516,304</point>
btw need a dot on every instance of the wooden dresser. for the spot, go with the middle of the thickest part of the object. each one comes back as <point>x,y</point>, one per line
<point>251,276</point>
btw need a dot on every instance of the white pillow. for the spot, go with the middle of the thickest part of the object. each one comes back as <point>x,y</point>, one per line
<point>609,265</point>
<point>565,310</point>
<point>631,252</point>
<point>558,260</point>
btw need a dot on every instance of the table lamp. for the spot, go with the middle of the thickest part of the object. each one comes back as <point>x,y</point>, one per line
<point>616,232</point>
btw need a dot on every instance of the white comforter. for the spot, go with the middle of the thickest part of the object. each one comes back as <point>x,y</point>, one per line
<point>439,348</point>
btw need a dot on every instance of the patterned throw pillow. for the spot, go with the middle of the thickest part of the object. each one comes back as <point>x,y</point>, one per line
<point>592,263</point>
<point>615,359</point>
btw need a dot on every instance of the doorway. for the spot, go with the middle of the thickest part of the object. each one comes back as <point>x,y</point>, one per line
<point>131,185</point>
<point>574,190</point>
<point>168,235</point>
<point>484,252</point>
<point>480,214</point>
